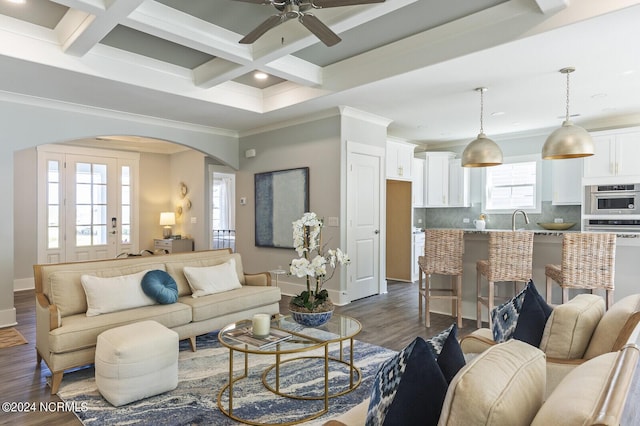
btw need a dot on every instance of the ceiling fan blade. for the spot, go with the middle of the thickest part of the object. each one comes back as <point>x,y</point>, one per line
<point>270,22</point>
<point>321,4</point>
<point>319,29</point>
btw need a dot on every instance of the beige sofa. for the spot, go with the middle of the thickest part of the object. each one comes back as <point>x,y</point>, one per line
<point>66,337</point>
<point>580,375</point>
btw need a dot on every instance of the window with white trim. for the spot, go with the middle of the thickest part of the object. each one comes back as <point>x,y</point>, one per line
<point>513,185</point>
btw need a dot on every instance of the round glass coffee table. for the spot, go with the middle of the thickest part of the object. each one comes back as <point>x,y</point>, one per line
<point>303,340</point>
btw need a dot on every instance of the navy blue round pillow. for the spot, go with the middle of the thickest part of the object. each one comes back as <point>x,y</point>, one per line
<point>160,286</point>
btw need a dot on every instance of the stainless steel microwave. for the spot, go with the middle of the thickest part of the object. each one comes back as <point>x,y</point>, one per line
<point>613,199</point>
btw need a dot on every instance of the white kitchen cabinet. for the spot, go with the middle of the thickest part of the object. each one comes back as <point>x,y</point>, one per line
<point>399,160</point>
<point>417,188</point>
<point>566,181</point>
<point>417,251</point>
<point>616,154</point>
<point>458,184</point>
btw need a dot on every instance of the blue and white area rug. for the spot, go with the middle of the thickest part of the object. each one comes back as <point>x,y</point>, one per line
<point>204,372</point>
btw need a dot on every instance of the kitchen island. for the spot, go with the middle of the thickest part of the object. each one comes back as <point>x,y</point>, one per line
<point>547,248</point>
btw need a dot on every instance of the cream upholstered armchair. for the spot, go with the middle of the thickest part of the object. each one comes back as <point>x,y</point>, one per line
<point>575,332</point>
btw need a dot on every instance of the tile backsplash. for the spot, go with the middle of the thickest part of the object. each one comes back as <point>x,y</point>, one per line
<point>453,217</point>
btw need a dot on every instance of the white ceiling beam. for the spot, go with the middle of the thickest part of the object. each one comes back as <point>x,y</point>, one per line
<point>216,71</point>
<point>80,31</point>
<point>551,6</point>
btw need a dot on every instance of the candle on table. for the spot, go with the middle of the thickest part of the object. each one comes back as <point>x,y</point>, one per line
<point>261,324</point>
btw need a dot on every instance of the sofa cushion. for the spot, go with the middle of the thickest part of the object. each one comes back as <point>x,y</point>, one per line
<point>205,280</point>
<point>577,396</point>
<point>79,331</point>
<point>533,317</point>
<point>504,385</point>
<point>399,395</point>
<point>175,265</point>
<point>160,286</point>
<point>571,325</point>
<point>611,326</point>
<point>242,299</point>
<point>114,294</point>
<point>505,317</point>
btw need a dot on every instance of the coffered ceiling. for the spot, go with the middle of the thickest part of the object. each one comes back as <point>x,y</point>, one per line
<point>415,62</point>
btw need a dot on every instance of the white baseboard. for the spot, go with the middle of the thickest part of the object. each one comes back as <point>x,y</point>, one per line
<point>22,284</point>
<point>8,317</point>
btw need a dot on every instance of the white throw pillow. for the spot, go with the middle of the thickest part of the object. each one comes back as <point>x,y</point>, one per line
<point>113,294</point>
<point>212,279</point>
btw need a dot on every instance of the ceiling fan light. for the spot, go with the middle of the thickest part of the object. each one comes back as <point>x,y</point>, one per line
<point>482,152</point>
<point>568,141</point>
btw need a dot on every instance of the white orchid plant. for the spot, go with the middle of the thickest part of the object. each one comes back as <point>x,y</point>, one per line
<point>313,263</point>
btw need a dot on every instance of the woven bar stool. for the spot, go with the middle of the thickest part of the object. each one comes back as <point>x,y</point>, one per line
<point>510,259</point>
<point>443,249</point>
<point>588,262</point>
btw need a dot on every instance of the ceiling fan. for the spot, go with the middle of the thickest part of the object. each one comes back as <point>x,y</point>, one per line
<point>291,9</point>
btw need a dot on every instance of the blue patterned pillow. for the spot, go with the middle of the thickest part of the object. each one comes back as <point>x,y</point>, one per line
<point>160,286</point>
<point>408,389</point>
<point>385,385</point>
<point>505,317</point>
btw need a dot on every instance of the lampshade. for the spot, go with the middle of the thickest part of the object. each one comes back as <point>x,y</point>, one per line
<point>569,141</point>
<point>167,218</point>
<point>482,151</point>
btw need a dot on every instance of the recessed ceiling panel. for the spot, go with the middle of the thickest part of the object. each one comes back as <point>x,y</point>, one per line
<point>135,41</point>
<point>250,80</point>
<point>404,22</point>
<point>39,12</point>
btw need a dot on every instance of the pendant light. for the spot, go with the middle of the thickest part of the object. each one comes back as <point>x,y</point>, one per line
<point>481,152</point>
<point>569,141</point>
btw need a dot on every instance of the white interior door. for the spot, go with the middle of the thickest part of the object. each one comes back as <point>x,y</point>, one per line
<point>363,216</point>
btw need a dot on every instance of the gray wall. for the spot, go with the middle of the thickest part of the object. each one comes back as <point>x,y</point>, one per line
<point>315,145</point>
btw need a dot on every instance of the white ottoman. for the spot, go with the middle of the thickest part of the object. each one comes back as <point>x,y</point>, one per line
<point>136,361</point>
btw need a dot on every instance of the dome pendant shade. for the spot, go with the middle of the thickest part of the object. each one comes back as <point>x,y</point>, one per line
<point>569,141</point>
<point>482,152</point>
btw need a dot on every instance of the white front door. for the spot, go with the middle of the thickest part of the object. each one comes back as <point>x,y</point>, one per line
<point>87,205</point>
<point>92,224</point>
<point>363,216</point>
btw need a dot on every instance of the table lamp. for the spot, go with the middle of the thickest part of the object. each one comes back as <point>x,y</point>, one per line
<point>167,219</point>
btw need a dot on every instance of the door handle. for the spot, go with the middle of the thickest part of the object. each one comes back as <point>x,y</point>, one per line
<point>377,231</point>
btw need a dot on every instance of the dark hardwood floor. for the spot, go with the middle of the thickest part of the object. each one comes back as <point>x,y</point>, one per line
<point>390,320</point>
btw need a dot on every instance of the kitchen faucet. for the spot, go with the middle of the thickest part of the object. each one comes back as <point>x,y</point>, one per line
<point>513,218</point>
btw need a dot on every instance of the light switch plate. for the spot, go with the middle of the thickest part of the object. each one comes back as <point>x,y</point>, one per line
<point>333,221</point>
<point>194,220</point>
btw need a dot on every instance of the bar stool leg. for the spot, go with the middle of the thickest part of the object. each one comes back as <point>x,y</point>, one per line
<point>490,302</point>
<point>427,300</point>
<point>459,299</point>
<point>549,289</point>
<point>479,300</point>
<point>420,292</point>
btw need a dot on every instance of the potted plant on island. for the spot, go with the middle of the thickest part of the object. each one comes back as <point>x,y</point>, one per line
<point>312,307</point>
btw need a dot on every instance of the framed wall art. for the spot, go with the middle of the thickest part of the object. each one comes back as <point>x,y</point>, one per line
<point>281,197</point>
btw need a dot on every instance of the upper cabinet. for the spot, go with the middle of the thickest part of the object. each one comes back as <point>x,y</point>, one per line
<point>446,182</point>
<point>566,181</point>
<point>458,184</point>
<point>617,154</point>
<point>399,160</point>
